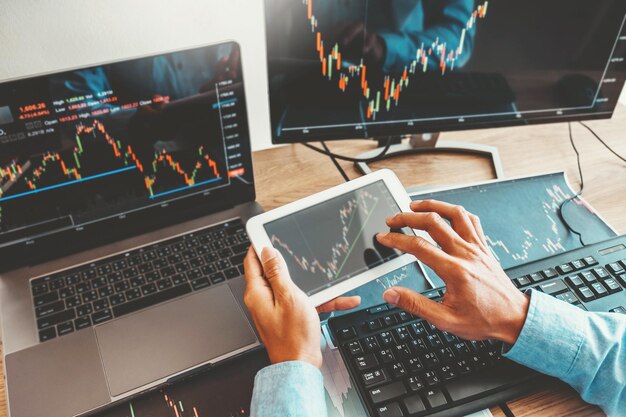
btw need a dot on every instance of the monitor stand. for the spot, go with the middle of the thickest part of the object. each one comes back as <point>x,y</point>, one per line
<point>429,143</point>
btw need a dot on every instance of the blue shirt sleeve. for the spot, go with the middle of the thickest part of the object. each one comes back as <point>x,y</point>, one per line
<point>586,350</point>
<point>288,389</point>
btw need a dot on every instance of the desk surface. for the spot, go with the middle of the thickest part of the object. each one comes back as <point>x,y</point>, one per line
<point>287,173</point>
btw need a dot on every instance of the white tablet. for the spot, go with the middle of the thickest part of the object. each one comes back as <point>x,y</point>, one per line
<point>329,239</point>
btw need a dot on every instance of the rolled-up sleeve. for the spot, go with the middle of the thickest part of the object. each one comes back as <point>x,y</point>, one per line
<point>584,349</point>
<point>288,389</point>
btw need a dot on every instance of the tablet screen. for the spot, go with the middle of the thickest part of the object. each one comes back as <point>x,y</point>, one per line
<point>335,240</point>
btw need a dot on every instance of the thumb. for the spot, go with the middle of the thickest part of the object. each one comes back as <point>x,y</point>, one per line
<point>275,269</point>
<point>417,304</point>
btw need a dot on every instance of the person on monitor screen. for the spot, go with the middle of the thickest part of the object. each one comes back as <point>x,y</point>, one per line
<point>586,350</point>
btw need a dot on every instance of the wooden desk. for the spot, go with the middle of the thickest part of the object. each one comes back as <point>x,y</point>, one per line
<point>291,172</point>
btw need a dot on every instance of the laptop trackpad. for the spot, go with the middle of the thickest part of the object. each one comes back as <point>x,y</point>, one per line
<point>153,344</point>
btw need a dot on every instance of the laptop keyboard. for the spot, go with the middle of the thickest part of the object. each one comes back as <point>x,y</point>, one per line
<point>91,294</point>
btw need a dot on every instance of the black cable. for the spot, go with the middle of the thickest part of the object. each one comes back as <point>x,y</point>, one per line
<point>602,142</point>
<point>582,186</point>
<point>350,159</point>
<point>332,158</point>
<point>506,410</point>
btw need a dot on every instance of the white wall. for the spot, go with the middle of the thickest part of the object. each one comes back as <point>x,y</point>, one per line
<point>622,99</point>
<point>45,35</point>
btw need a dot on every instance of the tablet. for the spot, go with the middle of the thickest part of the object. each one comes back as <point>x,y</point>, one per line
<point>329,239</point>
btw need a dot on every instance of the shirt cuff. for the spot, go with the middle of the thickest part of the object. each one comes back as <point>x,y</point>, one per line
<point>392,45</point>
<point>289,389</point>
<point>551,337</point>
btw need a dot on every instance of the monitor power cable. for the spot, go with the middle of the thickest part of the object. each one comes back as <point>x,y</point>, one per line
<point>578,194</point>
<point>335,162</point>
<point>602,142</point>
<point>328,153</point>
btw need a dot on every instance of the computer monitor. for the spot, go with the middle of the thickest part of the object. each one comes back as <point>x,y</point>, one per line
<point>342,69</point>
<point>102,152</point>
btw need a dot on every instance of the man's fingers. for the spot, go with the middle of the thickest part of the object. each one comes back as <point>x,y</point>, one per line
<point>419,247</point>
<point>457,215</point>
<point>256,285</point>
<point>339,304</point>
<point>431,311</point>
<point>433,224</point>
<point>276,271</point>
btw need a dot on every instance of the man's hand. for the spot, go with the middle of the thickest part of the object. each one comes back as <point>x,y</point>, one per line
<point>283,314</point>
<point>480,301</point>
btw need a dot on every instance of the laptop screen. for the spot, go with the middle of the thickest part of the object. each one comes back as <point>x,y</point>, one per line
<point>143,140</point>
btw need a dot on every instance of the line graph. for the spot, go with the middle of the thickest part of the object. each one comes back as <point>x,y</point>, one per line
<point>333,68</point>
<point>342,249</point>
<point>124,154</point>
<point>335,240</point>
<point>520,217</point>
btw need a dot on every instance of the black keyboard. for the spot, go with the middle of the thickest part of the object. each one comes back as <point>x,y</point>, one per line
<point>404,366</point>
<point>94,293</point>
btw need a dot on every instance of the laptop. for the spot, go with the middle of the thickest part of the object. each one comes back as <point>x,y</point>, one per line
<point>124,190</point>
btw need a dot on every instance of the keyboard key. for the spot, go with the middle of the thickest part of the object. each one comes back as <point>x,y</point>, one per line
<point>578,264</point>
<point>49,309</point>
<point>217,277</point>
<point>614,267</point>
<point>575,281</point>
<point>612,285</point>
<point>389,410</point>
<point>480,383</point>
<point>101,316</point>
<point>601,273</point>
<point>46,298</point>
<point>402,334</point>
<point>462,367</point>
<point>84,309</point>
<point>180,278</point>
<point>89,296</point>
<point>550,273</point>
<point>150,300</point>
<point>565,269</point>
<point>418,329</point>
<point>65,328</point>
<point>434,341</point>
<point>401,351</point>
<point>620,310</point>
<point>366,361</point>
<point>83,287</point>
<point>114,277</point>
<point>67,292</point>
<point>390,320</point>
<point>370,343</point>
<point>386,356</point>
<point>100,304</point>
<point>387,392</point>
<point>56,284</point>
<point>435,398</point>
<point>117,299</point>
<point>414,365</point>
<point>397,370</point>
<point>82,322</point>
<point>105,292</point>
<point>522,281</point>
<point>164,284</point>
<point>54,319</point>
<point>374,377</point>
<point>590,261</point>
<point>585,294</point>
<point>568,297</point>
<point>133,294</point>
<point>599,289</point>
<point>414,404</point>
<point>198,284</point>
<point>447,372</point>
<point>414,383</point>
<point>622,279</point>
<point>231,273</point>
<point>347,333</point>
<point>237,259</point>
<point>386,339</point>
<point>536,277</point>
<point>355,347</point>
<point>377,309</point>
<point>373,324</point>
<point>431,378</point>
<point>47,334</point>
<point>72,302</point>
<point>553,287</point>
<point>404,316</point>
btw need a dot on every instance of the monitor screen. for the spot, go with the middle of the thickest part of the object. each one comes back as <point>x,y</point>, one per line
<point>123,142</point>
<point>362,68</point>
<point>336,240</point>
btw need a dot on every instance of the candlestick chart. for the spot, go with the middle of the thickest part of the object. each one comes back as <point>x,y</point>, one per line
<point>334,240</point>
<point>439,54</point>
